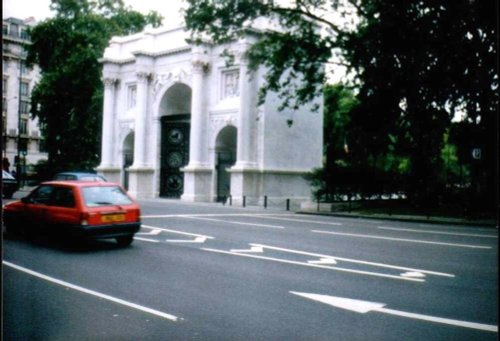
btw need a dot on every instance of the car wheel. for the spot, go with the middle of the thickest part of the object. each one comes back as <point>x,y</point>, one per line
<point>10,228</point>
<point>124,240</point>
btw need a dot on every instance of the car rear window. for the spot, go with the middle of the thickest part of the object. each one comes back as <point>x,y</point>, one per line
<point>105,196</point>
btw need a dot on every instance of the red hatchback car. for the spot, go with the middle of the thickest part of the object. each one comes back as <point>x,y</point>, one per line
<point>76,209</point>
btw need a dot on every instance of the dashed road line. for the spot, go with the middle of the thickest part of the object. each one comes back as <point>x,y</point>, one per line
<point>92,292</point>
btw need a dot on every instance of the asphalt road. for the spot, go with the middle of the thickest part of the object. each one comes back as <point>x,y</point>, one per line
<point>210,272</point>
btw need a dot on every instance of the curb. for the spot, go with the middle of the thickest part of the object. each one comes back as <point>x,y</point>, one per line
<point>414,219</point>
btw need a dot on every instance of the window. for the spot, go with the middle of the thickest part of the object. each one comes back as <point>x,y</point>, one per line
<point>24,108</point>
<point>5,65</point>
<point>5,29</point>
<point>23,146</point>
<point>4,86</point>
<point>41,195</point>
<point>62,197</point>
<point>23,126</point>
<point>24,34</point>
<point>24,88</point>
<point>105,196</point>
<point>24,69</point>
<point>131,96</point>
<point>4,105</point>
<point>14,30</point>
<point>42,146</point>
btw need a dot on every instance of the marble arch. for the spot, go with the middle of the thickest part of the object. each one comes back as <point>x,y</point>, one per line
<point>270,156</point>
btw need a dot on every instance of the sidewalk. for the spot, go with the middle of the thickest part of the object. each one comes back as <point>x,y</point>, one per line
<point>343,214</point>
<point>411,218</point>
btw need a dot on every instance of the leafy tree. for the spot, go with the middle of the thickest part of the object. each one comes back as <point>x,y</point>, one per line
<point>417,63</point>
<point>68,98</point>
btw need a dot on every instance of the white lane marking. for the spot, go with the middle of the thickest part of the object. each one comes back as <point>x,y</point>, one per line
<point>402,240</point>
<point>235,222</point>
<point>146,240</point>
<point>213,215</point>
<point>297,220</point>
<point>354,260</point>
<point>323,261</point>
<point>364,307</point>
<point>92,292</point>
<point>253,249</point>
<point>438,232</point>
<point>413,274</point>
<point>178,232</point>
<point>153,232</point>
<point>196,240</point>
<point>376,274</point>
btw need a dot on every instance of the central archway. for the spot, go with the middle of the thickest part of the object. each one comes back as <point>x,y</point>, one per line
<point>175,112</point>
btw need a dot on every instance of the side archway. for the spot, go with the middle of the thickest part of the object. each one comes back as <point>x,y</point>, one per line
<point>127,157</point>
<point>225,158</point>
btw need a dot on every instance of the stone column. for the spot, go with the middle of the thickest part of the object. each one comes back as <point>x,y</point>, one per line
<point>245,177</point>
<point>198,174</point>
<point>246,119</point>
<point>141,182</point>
<point>108,166</point>
<point>197,157</point>
<point>140,136</point>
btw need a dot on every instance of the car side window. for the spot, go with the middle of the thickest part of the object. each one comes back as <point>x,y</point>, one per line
<point>42,195</point>
<point>62,197</point>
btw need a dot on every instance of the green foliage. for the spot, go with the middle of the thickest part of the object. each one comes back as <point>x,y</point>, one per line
<point>416,64</point>
<point>68,98</point>
<point>296,51</point>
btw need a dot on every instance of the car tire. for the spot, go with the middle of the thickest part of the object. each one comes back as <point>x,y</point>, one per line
<point>124,240</point>
<point>11,229</point>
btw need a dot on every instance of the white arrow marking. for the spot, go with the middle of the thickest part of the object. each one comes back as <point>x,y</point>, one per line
<point>323,261</point>
<point>253,249</point>
<point>366,306</point>
<point>412,274</point>
<point>146,240</point>
<point>200,239</point>
<point>153,232</point>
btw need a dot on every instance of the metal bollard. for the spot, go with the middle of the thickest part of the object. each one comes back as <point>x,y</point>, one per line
<point>244,201</point>
<point>265,201</point>
<point>288,204</point>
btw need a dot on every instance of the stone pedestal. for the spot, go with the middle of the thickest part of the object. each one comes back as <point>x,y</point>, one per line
<point>140,182</point>
<point>244,182</point>
<point>113,174</point>
<point>197,184</point>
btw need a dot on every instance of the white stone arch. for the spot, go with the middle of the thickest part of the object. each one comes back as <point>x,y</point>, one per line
<point>163,82</point>
<point>224,157</point>
<point>126,155</point>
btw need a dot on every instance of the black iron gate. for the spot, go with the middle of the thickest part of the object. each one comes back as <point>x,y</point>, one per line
<point>174,154</point>
<point>225,160</point>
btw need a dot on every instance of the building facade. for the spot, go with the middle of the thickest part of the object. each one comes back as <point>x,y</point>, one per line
<point>21,134</point>
<point>179,122</point>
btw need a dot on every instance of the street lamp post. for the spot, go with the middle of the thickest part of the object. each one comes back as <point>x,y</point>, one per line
<point>19,121</point>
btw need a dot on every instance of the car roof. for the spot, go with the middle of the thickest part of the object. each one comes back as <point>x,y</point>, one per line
<point>77,173</point>
<point>80,183</point>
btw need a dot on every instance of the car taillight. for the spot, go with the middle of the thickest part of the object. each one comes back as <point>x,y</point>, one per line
<point>137,215</point>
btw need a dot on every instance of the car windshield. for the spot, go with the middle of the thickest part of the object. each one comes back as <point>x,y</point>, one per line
<point>105,196</point>
<point>7,175</point>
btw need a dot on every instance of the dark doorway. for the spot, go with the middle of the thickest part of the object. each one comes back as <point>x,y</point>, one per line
<point>174,154</point>
<point>225,146</point>
<point>128,158</point>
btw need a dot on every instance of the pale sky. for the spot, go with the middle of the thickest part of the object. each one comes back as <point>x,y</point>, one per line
<point>39,9</point>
